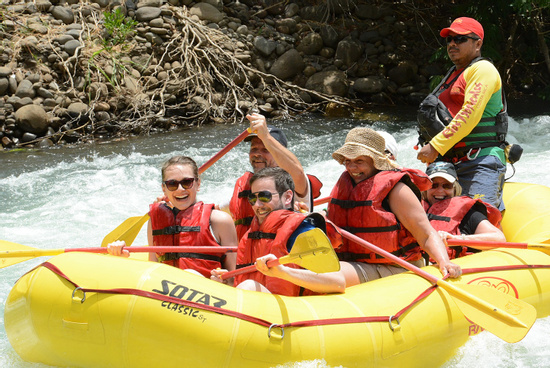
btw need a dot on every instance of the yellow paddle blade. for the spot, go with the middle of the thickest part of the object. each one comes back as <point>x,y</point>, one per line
<point>126,231</point>
<point>506,317</point>
<point>312,250</point>
<point>7,246</point>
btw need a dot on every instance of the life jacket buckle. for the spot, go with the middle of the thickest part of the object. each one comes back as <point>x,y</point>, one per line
<point>476,151</point>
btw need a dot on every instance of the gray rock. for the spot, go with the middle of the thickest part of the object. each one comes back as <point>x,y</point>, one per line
<point>38,28</point>
<point>32,118</point>
<point>4,85</point>
<point>24,89</point>
<point>5,71</point>
<point>264,46</point>
<point>147,13</point>
<point>64,14</point>
<point>331,82</point>
<point>44,93</point>
<point>77,108</point>
<point>369,85</point>
<point>71,46</point>
<point>206,12</point>
<point>27,137</point>
<point>403,74</point>
<point>349,51</point>
<point>218,4</point>
<point>311,44</point>
<point>330,36</point>
<point>148,3</point>
<point>288,65</point>
<point>291,10</point>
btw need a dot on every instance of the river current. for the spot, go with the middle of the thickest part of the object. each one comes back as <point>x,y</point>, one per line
<point>73,197</point>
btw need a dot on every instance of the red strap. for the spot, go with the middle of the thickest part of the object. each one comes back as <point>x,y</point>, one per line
<point>262,322</point>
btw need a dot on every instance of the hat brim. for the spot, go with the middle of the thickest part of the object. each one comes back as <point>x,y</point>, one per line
<point>352,152</point>
<point>445,31</point>
<point>448,177</point>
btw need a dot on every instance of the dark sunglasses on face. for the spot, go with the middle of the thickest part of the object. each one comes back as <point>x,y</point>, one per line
<point>264,196</point>
<point>186,183</point>
<point>446,186</point>
<point>460,39</point>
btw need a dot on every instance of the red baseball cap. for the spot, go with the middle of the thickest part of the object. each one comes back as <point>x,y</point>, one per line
<point>463,26</point>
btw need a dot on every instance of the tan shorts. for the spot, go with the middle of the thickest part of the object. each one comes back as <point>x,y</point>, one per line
<point>372,271</point>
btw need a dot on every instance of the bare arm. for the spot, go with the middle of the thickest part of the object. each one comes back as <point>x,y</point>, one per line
<point>284,158</point>
<point>408,210</point>
<point>224,231</point>
<point>485,231</point>
<point>330,282</point>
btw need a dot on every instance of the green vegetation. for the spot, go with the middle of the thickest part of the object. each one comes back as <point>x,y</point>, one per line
<point>118,27</point>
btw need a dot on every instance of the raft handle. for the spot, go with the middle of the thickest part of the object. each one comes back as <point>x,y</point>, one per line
<point>396,328</point>
<point>83,293</point>
<point>275,325</point>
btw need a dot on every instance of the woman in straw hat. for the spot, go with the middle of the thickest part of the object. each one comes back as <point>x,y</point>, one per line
<point>380,202</point>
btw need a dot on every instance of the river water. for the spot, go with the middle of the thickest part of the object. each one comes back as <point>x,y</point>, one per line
<point>73,197</point>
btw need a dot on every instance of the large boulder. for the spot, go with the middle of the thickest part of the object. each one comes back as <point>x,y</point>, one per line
<point>206,12</point>
<point>288,65</point>
<point>331,82</point>
<point>32,118</point>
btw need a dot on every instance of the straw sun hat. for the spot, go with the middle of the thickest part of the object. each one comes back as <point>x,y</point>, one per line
<point>364,142</point>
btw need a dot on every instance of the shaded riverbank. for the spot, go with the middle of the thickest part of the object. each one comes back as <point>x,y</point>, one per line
<point>74,72</point>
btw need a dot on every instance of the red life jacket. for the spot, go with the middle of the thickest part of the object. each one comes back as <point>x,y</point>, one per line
<point>363,210</point>
<point>447,215</point>
<point>240,208</point>
<point>190,227</point>
<point>270,237</point>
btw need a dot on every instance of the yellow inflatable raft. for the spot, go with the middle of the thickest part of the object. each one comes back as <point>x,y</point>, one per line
<point>88,310</point>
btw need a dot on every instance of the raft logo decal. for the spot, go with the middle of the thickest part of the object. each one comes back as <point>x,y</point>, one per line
<point>170,288</point>
<point>501,285</point>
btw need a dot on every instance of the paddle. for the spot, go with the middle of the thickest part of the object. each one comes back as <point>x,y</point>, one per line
<point>483,245</point>
<point>499,313</point>
<point>12,253</point>
<point>320,201</point>
<point>131,227</point>
<point>311,250</point>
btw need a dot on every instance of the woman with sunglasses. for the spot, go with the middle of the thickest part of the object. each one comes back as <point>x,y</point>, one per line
<point>472,132</point>
<point>182,220</point>
<point>455,216</point>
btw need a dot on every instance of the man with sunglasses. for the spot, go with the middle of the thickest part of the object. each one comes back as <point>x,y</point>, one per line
<point>273,231</point>
<point>470,129</point>
<point>268,148</point>
<point>455,216</point>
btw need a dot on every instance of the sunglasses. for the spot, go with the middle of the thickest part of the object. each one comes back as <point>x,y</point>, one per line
<point>460,39</point>
<point>446,186</point>
<point>186,183</point>
<point>264,196</point>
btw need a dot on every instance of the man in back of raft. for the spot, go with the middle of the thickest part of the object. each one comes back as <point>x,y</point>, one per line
<point>272,233</point>
<point>268,148</point>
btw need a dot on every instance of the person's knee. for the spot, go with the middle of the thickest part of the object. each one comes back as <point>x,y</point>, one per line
<point>252,285</point>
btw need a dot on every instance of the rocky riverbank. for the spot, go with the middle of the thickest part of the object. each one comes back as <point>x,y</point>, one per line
<point>71,71</point>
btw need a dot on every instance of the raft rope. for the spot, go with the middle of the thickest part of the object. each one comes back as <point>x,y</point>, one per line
<point>262,322</point>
